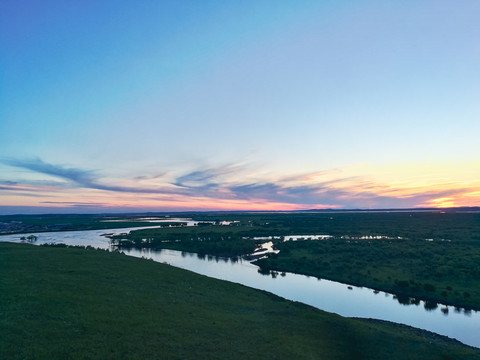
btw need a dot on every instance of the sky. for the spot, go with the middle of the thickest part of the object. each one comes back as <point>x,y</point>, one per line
<point>134,106</point>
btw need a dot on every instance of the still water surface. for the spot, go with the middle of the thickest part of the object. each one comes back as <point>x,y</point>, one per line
<point>327,295</point>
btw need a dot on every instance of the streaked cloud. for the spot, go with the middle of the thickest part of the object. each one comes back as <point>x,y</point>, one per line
<point>226,187</point>
<point>79,177</point>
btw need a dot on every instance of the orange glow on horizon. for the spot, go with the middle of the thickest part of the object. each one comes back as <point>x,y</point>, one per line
<point>104,201</point>
<point>359,186</point>
<point>443,202</point>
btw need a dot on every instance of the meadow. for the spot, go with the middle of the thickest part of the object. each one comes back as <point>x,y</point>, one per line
<point>73,303</point>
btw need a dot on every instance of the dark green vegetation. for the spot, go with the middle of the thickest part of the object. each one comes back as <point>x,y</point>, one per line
<point>445,269</point>
<point>70,303</point>
<point>11,224</point>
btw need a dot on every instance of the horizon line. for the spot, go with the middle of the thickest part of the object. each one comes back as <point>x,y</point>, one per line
<point>326,210</point>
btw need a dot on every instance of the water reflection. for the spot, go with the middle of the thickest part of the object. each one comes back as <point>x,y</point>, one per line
<point>402,299</point>
<point>430,305</point>
<point>406,300</point>
<point>263,271</point>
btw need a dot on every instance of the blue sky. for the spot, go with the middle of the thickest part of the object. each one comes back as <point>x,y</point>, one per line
<point>179,105</point>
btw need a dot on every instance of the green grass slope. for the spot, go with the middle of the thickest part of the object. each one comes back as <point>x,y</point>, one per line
<point>70,303</point>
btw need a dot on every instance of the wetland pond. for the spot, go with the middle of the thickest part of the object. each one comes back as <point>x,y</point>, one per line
<point>331,296</point>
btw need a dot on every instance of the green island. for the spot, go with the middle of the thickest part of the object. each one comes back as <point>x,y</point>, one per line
<point>209,239</point>
<point>75,303</point>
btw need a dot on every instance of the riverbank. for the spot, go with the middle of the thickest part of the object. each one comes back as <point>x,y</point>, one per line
<point>70,303</point>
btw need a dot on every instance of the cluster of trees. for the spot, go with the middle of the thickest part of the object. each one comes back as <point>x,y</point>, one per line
<point>30,238</point>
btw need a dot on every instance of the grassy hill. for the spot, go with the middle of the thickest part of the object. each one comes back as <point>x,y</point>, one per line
<point>70,303</point>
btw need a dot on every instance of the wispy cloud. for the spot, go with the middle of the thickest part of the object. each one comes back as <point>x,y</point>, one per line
<point>151,177</point>
<point>206,178</point>
<point>233,183</point>
<point>344,193</point>
<point>29,189</point>
<point>79,177</point>
<point>77,203</point>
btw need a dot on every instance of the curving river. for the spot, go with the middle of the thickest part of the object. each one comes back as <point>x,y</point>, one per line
<point>330,296</point>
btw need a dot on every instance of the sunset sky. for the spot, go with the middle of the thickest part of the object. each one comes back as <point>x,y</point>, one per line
<point>123,106</point>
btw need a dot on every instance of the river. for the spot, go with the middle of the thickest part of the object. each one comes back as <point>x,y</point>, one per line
<point>331,296</point>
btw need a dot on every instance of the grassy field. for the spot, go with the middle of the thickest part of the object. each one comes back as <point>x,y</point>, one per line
<point>70,303</point>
